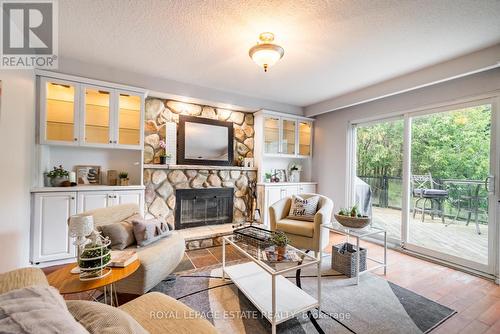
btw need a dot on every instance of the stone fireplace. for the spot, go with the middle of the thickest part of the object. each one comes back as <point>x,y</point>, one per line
<point>201,207</point>
<point>164,182</point>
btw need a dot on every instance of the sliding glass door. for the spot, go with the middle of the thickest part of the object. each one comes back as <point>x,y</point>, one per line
<point>430,181</point>
<point>451,185</point>
<point>377,185</point>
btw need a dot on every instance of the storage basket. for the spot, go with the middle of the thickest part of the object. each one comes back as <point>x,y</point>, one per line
<point>344,259</point>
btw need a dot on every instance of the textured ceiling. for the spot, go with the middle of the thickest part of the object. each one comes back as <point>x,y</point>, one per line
<point>331,47</point>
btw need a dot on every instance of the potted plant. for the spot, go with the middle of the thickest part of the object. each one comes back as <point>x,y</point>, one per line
<point>267,177</point>
<point>123,176</point>
<point>280,240</point>
<point>57,176</point>
<point>352,217</point>
<point>164,155</point>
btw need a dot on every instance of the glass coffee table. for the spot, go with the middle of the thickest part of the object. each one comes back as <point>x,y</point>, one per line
<point>262,281</point>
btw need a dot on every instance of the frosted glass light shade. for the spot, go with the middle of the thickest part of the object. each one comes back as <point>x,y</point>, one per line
<point>80,226</point>
<point>266,54</point>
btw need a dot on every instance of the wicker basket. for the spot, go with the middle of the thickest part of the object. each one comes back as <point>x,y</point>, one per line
<point>344,259</point>
<point>353,222</point>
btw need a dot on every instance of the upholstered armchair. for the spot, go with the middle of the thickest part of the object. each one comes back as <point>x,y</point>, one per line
<point>303,234</point>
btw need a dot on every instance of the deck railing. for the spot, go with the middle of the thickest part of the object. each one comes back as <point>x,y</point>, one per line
<point>387,193</point>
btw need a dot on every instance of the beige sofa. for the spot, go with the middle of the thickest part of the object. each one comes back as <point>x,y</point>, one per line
<point>158,260</point>
<point>110,319</point>
<point>303,234</point>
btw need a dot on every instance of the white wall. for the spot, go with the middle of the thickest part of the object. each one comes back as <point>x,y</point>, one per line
<point>330,129</point>
<point>17,137</point>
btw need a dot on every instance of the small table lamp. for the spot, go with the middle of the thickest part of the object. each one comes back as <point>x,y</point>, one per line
<point>80,227</point>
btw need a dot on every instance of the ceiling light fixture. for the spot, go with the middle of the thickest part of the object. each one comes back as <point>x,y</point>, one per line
<point>265,53</point>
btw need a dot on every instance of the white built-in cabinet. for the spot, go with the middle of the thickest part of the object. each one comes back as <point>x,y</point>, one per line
<point>82,114</point>
<point>50,239</point>
<point>283,135</point>
<point>91,200</point>
<point>270,193</point>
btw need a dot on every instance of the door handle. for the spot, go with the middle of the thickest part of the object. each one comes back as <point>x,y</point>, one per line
<point>490,179</point>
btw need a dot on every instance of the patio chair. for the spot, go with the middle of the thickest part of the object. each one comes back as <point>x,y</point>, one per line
<point>424,191</point>
<point>470,203</point>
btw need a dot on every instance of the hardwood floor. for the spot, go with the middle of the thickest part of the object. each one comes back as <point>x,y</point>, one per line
<point>476,300</point>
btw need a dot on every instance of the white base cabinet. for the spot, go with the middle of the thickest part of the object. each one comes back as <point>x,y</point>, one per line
<point>49,232</point>
<point>270,193</point>
<point>51,211</point>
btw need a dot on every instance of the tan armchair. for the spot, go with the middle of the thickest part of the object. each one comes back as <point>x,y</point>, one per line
<point>302,234</point>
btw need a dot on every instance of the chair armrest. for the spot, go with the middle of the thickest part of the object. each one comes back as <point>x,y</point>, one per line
<point>278,211</point>
<point>20,278</point>
<point>159,313</point>
<point>322,216</point>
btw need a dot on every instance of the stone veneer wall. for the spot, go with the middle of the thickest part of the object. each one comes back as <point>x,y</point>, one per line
<point>159,111</point>
<point>162,183</point>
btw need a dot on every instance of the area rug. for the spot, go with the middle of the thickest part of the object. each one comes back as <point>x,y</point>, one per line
<point>374,306</point>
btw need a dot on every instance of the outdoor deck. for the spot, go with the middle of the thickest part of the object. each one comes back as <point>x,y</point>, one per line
<point>455,239</point>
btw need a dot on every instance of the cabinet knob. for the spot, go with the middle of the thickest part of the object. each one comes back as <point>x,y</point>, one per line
<point>72,198</point>
<point>75,139</point>
<point>111,142</point>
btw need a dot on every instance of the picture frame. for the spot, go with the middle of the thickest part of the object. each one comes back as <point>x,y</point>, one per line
<point>88,175</point>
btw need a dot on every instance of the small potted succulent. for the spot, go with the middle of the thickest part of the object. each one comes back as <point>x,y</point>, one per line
<point>123,176</point>
<point>57,176</point>
<point>164,155</point>
<point>352,217</point>
<point>280,240</point>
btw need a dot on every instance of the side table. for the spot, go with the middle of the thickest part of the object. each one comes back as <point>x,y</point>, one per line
<point>68,283</point>
<point>360,233</point>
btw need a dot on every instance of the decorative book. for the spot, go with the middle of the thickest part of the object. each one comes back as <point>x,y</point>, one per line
<point>122,258</point>
<point>271,255</point>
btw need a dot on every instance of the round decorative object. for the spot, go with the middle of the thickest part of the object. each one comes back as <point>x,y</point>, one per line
<point>353,222</point>
<point>56,181</point>
<point>94,259</point>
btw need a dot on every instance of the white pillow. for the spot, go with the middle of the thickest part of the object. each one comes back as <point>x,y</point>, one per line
<point>303,208</point>
<point>36,310</point>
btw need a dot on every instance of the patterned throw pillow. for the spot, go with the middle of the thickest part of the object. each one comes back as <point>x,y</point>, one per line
<point>303,208</point>
<point>147,231</point>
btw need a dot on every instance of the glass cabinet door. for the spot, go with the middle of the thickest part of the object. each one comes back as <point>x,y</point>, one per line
<point>271,135</point>
<point>97,115</point>
<point>129,119</point>
<point>305,135</point>
<point>288,137</point>
<point>59,108</point>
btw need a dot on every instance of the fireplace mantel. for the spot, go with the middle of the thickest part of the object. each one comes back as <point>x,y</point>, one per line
<point>198,167</point>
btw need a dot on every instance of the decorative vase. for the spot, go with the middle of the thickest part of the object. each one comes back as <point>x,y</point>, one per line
<point>281,252</point>
<point>124,182</point>
<point>294,176</point>
<point>163,160</point>
<point>56,181</point>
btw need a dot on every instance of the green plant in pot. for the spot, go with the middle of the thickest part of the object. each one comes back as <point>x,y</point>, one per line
<point>57,176</point>
<point>164,155</point>
<point>280,240</point>
<point>123,176</point>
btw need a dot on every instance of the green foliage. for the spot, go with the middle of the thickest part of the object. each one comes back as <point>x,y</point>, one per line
<point>123,175</point>
<point>58,172</point>
<point>279,239</point>
<point>449,145</point>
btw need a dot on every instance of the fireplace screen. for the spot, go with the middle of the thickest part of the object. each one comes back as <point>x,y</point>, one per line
<point>200,207</point>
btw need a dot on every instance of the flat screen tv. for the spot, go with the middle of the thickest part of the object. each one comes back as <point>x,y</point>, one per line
<point>203,141</point>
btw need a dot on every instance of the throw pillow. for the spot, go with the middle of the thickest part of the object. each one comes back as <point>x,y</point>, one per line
<point>147,231</point>
<point>31,310</point>
<point>303,208</point>
<point>121,234</point>
<point>103,319</point>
